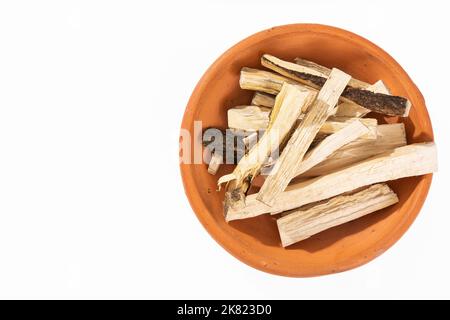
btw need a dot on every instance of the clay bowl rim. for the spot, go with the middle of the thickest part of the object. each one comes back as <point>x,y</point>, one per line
<point>202,212</point>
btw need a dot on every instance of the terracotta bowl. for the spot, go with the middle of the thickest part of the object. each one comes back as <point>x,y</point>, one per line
<point>256,241</point>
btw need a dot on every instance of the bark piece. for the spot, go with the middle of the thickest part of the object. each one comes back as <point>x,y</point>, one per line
<point>288,106</point>
<point>301,224</point>
<point>377,102</point>
<point>411,160</point>
<point>292,155</point>
<point>230,145</point>
<point>264,81</point>
<point>310,67</point>
<point>390,136</point>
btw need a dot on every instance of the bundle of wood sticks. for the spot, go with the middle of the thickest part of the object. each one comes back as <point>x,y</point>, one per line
<point>332,161</point>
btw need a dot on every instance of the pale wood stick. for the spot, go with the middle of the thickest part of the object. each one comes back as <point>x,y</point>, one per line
<point>270,83</point>
<point>249,118</point>
<point>288,106</point>
<point>330,144</point>
<point>351,110</point>
<point>293,153</point>
<point>310,67</point>
<point>334,124</point>
<point>411,160</point>
<point>377,102</point>
<point>344,109</point>
<point>214,163</point>
<point>253,118</point>
<point>263,100</point>
<point>251,140</point>
<point>301,224</point>
<point>378,86</point>
<point>264,81</point>
<point>390,136</point>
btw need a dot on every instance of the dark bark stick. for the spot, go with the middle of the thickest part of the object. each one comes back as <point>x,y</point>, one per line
<point>377,102</point>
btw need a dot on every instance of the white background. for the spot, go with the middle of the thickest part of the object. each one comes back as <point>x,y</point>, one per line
<point>91,99</point>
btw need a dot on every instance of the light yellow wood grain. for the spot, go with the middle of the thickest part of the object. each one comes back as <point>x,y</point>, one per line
<point>298,225</point>
<point>411,160</point>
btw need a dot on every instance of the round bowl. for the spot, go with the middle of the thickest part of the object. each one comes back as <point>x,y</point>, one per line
<point>256,241</point>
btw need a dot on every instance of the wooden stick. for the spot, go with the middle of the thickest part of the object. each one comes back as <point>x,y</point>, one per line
<point>340,153</point>
<point>270,83</point>
<point>263,100</point>
<point>412,160</point>
<point>390,136</point>
<point>251,140</point>
<point>288,105</point>
<point>249,118</point>
<point>303,136</point>
<point>299,225</point>
<point>310,67</point>
<point>214,163</point>
<point>253,118</point>
<point>378,86</point>
<point>264,81</point>
<point>330,144</point>
<point>230,146</point>
<point>334,124</point>
<point>377,102</point>
<point>351,109</point>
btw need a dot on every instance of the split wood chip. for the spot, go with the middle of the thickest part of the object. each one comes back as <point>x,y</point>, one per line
<point>411,160</point>
<point>293,153</point>
<point>301,224</point>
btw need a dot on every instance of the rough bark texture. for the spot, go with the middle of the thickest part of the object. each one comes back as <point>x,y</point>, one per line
<point>377,102</point>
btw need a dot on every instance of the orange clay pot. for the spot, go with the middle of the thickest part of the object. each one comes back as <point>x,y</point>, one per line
<point>256,241</point>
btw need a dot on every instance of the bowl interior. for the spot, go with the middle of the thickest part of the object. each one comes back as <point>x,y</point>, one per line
<point>256,241</point>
